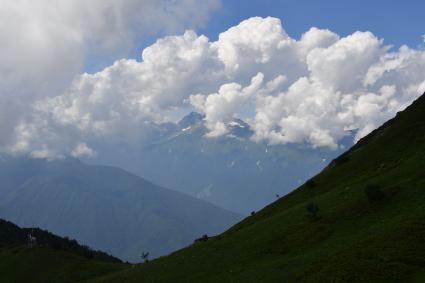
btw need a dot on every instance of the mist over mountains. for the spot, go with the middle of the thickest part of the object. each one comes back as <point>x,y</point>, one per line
<point>231,171</point>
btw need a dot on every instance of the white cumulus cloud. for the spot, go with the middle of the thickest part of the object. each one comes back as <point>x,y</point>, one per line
<point>222,106</point>
<point>44,44</point>
<point>316,89</point>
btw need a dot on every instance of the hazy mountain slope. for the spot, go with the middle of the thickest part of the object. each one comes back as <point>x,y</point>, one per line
<point>53,259</point>
<point>352,239</point>
<point>230,171</point>
<point>104,207</point>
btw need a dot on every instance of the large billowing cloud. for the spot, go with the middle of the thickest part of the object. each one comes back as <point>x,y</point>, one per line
<point>44,44</point>
<point>314,90</point>
<point>220,107</point>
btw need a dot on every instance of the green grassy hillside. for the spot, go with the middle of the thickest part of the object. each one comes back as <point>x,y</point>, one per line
<point>43,264</point>
<point>51,259</point>
<point>354,237</point>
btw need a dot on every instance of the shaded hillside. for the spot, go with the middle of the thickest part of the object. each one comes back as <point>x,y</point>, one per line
<point>360,220</point>
<point>104,207</point>
<point>13,236</point>
<point>51,259</point>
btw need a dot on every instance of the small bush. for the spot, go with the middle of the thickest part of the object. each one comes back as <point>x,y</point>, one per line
<point>252,213</point>
<point>374,193</point>
<point>313,211</point>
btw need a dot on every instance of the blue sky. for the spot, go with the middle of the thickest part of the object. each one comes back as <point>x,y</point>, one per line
<point>398,22</point>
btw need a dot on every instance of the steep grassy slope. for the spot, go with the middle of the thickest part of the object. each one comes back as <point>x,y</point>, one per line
<point>352,239</point>
<point>49,265</point>
<point>53,259</point>
<point>12,236</point>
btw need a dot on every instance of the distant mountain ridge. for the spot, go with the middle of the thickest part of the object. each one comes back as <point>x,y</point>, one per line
<point>191,119</point>
<point>104,207</point>
<point>237,128</point>
<point>231,171</point>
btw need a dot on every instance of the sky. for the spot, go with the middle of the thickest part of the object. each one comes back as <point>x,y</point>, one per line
<point>77,73</point>
<point>398,22</point>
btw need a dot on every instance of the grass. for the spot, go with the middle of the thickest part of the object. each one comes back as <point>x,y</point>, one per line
<point>51,259</point>
<point>42,264</point>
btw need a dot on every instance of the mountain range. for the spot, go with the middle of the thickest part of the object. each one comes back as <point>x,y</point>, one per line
<point>231,171</point>
<point>104,207</point>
